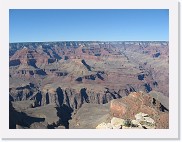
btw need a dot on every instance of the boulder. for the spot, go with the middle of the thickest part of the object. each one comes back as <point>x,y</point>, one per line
<point>117,122</point>
<point>135,123</point>
<point>140,116</point>
<point>144,120</point>
<point>149,120</point>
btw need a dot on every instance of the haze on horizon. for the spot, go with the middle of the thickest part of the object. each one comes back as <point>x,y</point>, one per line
<point>29,25</point>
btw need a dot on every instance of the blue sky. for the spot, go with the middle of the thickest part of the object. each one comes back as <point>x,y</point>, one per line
<point>101,25</point>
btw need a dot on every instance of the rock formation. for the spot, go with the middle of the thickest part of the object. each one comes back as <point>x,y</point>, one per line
<point>137,110</point>
<point>65,77</point>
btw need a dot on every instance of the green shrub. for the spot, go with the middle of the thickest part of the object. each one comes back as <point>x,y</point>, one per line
<point>128,123</point>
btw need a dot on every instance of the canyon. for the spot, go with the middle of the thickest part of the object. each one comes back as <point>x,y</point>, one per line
<point>80,84</point>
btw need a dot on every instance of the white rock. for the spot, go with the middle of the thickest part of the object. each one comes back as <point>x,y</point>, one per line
<point>149,120</point>
<point>135,122</point>
<point>124,127</point>
<point>116,122</point>
<point>116,127</point>
<point>109,126</point>
<point>139,117</point>
<point>144,114</point>
<point>104,125</point>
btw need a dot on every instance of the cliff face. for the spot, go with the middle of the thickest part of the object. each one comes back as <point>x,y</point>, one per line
<point>74,98</point>
<point>137,105</point>
<point>71,109</point>
<point>58,96</point>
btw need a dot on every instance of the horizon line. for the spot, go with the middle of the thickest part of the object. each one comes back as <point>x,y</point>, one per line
<point>91,41</point>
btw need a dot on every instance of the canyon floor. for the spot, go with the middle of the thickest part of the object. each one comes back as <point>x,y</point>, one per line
<point>89,85</point>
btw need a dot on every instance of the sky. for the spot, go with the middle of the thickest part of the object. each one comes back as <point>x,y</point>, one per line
<point>34,25</point>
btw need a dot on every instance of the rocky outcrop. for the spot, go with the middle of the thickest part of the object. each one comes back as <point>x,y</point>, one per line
<point>118,108</point>
<point>127,107</point>
<point>122,107</point>
<point>143,121</point>
<point>135,111</point>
